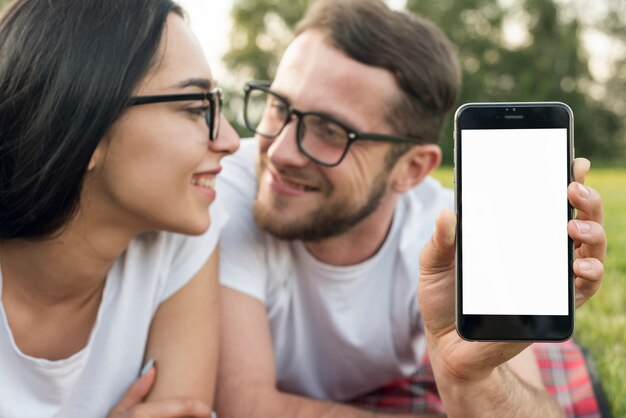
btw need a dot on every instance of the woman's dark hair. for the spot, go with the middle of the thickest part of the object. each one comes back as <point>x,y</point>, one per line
<point>417,53</point>
<point>67,69</point>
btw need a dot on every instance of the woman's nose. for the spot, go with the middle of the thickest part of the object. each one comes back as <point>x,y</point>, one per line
<point>227,140</point>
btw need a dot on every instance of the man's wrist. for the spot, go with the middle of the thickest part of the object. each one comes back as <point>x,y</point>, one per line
<point>469,390</point>
<point>464,397</point>
<point>499,393</point>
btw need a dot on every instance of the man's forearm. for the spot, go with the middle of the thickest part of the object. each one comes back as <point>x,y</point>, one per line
<point>275,404</point>
<point>501,394</point>
<point>312,408</point>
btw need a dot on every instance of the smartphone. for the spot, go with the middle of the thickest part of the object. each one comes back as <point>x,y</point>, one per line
<point>514,273</point>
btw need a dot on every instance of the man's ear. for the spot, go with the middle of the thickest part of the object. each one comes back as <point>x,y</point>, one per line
<point>413,166</point>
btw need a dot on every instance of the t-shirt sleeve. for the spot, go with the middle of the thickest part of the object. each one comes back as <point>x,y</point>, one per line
<point>189,253</point>
<point>242,247</point>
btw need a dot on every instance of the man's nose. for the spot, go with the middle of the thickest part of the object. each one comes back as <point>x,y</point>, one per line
<point>283,150</point>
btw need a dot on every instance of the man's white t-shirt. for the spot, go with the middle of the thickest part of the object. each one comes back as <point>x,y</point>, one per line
<point>90,382</point>
<point>338,332</point>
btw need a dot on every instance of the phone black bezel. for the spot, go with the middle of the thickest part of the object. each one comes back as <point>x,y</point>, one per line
<point>512,327</point>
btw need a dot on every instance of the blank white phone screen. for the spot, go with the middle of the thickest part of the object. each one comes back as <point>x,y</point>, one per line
<point>514,220</point>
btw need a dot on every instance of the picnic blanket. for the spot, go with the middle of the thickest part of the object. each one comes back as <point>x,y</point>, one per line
<point>566,370</point>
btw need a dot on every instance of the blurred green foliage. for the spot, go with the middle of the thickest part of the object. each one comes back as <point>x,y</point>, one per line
<point>547,63</point>
<point>261,31</point>
<point>550,64</point>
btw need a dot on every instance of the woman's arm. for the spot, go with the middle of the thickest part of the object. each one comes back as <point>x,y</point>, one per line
<point>183,339</point>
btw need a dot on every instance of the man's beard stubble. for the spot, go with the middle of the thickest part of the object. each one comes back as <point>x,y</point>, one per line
<point>329,220</point>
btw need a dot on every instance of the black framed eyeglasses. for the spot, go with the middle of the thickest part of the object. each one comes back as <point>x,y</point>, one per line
<point>321,137</point>
<point>212,116</point>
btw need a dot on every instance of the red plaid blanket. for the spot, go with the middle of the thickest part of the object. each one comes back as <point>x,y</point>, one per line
<point>563,370</point>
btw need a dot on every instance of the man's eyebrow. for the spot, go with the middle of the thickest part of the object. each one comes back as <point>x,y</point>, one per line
<point>203,83</point>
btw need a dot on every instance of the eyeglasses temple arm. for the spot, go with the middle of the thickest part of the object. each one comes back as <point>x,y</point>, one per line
<point>388,138</point>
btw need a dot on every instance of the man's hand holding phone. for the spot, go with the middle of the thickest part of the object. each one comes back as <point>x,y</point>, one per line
<point>458,363</point>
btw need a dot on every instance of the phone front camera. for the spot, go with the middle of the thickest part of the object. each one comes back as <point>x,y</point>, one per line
<point>513,109</point>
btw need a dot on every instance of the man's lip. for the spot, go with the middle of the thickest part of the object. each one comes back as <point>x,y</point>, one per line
<point>287,185</point>
<point>286,179</point>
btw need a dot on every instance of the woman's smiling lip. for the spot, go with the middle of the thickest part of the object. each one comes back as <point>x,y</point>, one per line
<point>204,182</point>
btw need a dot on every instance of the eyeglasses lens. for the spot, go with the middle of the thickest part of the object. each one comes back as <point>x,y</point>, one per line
<point>319,138</point>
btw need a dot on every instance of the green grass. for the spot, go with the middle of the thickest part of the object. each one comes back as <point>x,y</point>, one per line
<point>601,323</point>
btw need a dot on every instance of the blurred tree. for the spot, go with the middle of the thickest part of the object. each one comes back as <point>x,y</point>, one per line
<point>545,61</point>
<point>262,29</point>
<point>614,25</point>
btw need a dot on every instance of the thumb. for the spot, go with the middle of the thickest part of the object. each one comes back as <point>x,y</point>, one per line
<point>137,391</point>
<point>438,255</point>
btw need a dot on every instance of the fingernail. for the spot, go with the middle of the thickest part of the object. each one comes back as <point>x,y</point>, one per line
<point>584,192</point>
<point>584,265</point>
<point>449,237</point>
<point>583,227</point>
<point>146,367</point>
<point>449,232</point>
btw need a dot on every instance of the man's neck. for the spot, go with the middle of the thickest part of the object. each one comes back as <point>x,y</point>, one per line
<point>358,243</point>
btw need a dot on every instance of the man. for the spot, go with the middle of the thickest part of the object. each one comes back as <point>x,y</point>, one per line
<point>319,264</point>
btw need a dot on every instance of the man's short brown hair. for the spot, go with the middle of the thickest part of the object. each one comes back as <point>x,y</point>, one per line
<point>415,51</point>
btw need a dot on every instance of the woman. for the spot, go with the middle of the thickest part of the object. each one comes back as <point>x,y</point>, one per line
<point>110,142</point>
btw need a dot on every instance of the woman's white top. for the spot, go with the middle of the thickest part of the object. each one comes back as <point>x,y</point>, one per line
<point>90,382</point>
